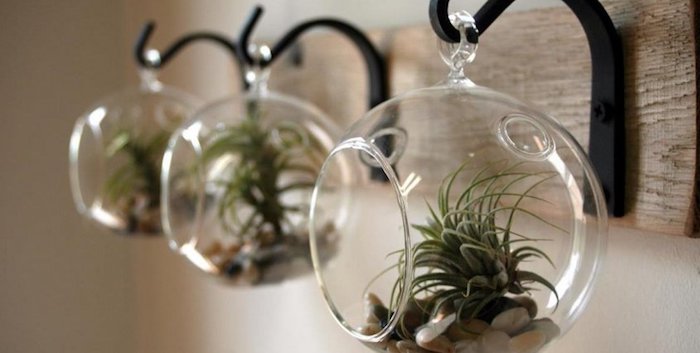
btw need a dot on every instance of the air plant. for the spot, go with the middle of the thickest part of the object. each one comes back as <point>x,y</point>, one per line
<point>254,193</point>
<point>469,258</point>
<point>135,185</point>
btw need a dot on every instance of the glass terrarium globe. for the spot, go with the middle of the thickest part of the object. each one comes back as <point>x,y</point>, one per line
<point>115,155</point>
<point>237,180</point>
<point>473,223</point>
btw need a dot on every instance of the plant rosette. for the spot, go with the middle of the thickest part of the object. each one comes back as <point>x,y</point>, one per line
<point>471,295</point>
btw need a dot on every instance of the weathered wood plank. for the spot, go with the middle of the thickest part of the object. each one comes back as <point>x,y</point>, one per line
<point>542,57</point>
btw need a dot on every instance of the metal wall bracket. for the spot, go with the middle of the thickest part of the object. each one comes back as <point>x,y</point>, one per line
<point>140,47</point>
<point>376,67</point>
<point>607,130</point>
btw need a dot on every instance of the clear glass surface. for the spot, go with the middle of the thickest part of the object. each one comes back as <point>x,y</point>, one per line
<point>237,181</point>
<point>474,223</point>
<point>115,156</point>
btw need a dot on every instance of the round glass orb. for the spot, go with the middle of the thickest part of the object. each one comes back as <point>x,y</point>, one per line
<point>115,156</point>
<point>475,223</point>
<point>237,180</point>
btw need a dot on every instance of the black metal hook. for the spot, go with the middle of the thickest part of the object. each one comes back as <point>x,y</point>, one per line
<point>607,129</point>
<point>376,68</point>
<point>169,53</point>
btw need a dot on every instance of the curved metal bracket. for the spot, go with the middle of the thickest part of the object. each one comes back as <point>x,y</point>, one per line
<point>607,130</point>
<point>376,68</point>
<point>142,41</point>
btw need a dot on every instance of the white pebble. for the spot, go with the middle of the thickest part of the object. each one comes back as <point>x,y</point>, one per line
<point>527,303</point>
<point>467,346</point>
<point>407,346</point>
<point>511,321</point>
<point>528,342</point>
<point>467,330</point>
<point>434,328</point>
<point>440,344</point>
<point>493,341</point>
<point>391,347</point>
<point>546,326</point>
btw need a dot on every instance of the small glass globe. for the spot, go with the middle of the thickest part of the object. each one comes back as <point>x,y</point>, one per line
<point>473,223</point>
<point>115,155</point>
<point>237,180</point>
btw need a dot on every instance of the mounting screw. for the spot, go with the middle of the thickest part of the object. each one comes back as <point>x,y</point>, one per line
<point>599,111</point>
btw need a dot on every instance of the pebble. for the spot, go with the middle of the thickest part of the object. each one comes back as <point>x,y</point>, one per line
<point>528,342</point>
<point>467,330</point>
<point>213,249</point>
<point>511,321</point>
<point>407,346</point>
<point>251,273</point>
<point>434,328</point>
<point>369,329</point>
<point>527,303</point>
<point>546,326</point>
<point>467,346</point>
<point>439,344</point>
<point>493,341</point>
<point>391,347</point>
<point>375,311</point>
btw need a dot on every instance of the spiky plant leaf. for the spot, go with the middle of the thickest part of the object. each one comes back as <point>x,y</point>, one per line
<point>465,258</point>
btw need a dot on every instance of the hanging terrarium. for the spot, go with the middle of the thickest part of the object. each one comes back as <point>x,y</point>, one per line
<point>237,180</point>
<point>115,155</point>
<point>473,223</point>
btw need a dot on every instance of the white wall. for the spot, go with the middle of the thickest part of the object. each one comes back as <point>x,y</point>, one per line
<point>65,287</point>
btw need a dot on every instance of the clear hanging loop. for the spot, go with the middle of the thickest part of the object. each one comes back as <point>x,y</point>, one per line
<point>257,74</point>
<point>149,74</point>
<point>458,55</point>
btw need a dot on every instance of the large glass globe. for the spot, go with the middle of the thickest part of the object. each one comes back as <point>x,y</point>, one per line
<point>115,155</point>
<point>237,180</point>
<point>474,223</point>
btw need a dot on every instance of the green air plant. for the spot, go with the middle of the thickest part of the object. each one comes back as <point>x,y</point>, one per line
<point>135,185</point>
<point>468,261</point>
<point>267,163</point>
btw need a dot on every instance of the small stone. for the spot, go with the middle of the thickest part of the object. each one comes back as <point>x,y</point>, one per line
<point>250,274</point>
<point>391,347</point>
<point>407,346</point>
<point>546,326</point>
<point>467,346</point>
<point>439,344</point>
<point>528,304</point>
<point>372,299</point>
<point>375,311</point>
<point>528,342</point>
<point>369,329</point>
<point>213,249</point>
<point>413,316</point>
<point>434,328</point>
<point>467,330</point>
<point>511,321</point>
<point>493,341</point>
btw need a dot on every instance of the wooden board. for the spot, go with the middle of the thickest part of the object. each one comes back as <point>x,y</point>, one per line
<point>542,57</point>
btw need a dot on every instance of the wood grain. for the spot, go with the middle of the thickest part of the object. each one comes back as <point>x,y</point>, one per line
<point>542,57</point>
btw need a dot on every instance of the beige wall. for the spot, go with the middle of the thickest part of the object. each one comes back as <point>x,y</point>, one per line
<point>65,287</point>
